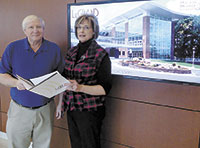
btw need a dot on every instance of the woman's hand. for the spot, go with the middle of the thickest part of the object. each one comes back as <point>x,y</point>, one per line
<point>59,107</point>
<point>88,89</point>
<point>73,86</point>
<point>58,111</point>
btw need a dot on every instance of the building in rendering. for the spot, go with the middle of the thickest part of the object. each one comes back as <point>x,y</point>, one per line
<point>145,31</point>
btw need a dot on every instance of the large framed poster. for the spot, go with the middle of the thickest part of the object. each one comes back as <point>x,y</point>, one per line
<point>150,40</point>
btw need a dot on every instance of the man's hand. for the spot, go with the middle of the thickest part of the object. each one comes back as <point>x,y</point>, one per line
<point>20,85</point>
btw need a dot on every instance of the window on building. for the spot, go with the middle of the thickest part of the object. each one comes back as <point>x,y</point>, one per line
<point>160,41</point>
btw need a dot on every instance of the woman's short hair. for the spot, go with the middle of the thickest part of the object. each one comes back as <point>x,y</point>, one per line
<point>31,18</point>
<point>92,19</point>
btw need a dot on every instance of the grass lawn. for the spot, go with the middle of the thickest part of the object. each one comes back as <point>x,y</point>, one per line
<point>178,63</point>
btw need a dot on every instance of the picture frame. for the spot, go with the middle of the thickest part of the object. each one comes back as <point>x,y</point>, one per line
<point>140,37</point>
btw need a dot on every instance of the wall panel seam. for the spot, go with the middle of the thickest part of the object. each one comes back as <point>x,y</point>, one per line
<point>156,104</point>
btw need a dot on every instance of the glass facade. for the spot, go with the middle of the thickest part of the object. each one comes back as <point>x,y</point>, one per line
<point>120,33</point>
<point>135,31</point>
<point>160,38</point>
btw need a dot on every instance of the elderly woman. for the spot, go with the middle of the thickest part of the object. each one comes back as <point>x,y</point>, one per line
<point>88,67</point>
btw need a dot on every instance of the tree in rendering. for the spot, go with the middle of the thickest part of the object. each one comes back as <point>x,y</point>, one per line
<point>187,38</point>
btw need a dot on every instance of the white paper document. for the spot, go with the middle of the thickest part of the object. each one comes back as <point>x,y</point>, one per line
<point>48,85</point>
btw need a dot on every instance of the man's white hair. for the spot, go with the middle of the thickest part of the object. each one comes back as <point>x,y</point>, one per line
<point>31,18</point>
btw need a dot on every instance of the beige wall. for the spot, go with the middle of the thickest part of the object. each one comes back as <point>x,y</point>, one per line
<point>140,114</point>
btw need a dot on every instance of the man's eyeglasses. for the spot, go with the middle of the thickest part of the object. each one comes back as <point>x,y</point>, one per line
<point>83,27</point>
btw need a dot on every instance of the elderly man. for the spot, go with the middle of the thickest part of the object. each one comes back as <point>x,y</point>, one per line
<point>30,116</point>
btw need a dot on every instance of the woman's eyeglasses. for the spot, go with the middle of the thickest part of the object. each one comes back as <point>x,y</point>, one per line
<point>83,27</point>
